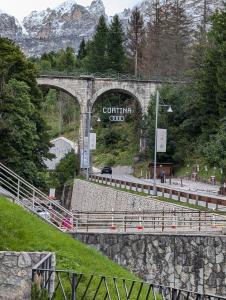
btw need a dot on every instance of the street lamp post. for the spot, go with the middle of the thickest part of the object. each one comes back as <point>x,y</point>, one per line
<point>156,137</point>
<point>155,155</point>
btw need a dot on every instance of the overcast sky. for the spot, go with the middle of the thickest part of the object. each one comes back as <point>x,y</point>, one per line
<point>21,8</point>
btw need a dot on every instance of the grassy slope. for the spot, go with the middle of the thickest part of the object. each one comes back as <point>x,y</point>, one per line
<point>22,231</point>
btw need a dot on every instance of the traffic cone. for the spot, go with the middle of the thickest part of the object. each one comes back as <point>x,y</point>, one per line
<point>140,227</point>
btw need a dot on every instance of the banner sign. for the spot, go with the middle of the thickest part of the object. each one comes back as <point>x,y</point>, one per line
<point>84,162</point>
<point>117,114</point>
<point>92,141</point>
<point>161,140</point>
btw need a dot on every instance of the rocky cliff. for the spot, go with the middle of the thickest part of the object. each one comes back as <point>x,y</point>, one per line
<point>53,29</point>
<point>67,24</point>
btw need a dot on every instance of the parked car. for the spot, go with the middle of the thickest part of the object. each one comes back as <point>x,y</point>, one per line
<point>106,170</point>
<point>43,213</point>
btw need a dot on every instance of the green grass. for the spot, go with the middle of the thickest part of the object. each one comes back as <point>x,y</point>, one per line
<point>22,231</point>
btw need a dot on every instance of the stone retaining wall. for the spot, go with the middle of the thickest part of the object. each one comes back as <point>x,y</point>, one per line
<point>16,273</point>
<point>88,196</point>
<point>190,262</point>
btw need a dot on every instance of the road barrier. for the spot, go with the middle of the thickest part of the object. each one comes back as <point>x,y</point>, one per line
<point>218,203</point>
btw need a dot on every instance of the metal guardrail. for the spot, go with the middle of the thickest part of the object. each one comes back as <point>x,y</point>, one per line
<point>220,203</point>
<point>25,194</point>
<point>108,75</point>
<point>73,285</point>
<point>149,221</point>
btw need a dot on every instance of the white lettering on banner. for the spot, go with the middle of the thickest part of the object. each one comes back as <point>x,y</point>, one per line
<point>161,140</point>
<point>105,110</point>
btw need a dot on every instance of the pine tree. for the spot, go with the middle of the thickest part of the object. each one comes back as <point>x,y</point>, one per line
<point>212,76</point>
<point>96,59</point>
<point>135,37</point>
<point>116,51</point>
<point>69,59</point>
<point>82,52</point>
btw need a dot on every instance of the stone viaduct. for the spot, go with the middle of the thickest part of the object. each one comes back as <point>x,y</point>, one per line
<point>87,90</point>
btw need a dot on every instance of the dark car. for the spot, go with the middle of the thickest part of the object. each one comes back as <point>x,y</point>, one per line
<point>106,170</point>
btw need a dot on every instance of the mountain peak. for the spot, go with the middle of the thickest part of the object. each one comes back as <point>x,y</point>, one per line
<point>97,7</point>
<point>66,6</point>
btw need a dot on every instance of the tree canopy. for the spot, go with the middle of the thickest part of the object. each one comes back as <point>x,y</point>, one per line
<point>24,139</point>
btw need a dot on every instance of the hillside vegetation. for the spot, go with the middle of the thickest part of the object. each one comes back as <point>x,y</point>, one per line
<point>22,231</point>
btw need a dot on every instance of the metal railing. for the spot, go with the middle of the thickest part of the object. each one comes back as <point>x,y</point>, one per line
<point>51,211</point>
<point>149,221</point>
<point>73,285</point>
<point>109,75</point>
<point>219,203</point>
<point>34,200</point>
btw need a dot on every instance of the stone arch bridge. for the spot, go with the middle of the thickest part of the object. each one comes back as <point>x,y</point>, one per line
<point>87,89</point>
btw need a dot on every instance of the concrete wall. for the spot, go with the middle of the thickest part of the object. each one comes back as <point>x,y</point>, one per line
<point>93,197</point>
<point>196,263</point>
<point>16,273</point>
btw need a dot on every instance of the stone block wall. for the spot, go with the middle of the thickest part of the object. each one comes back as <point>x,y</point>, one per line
<point>88,196</point>
<point>16,273</point>
<point>189,262</point>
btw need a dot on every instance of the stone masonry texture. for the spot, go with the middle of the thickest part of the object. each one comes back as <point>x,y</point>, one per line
<point>88,196</point>
<point>16,273</point>
<point>190,262</point>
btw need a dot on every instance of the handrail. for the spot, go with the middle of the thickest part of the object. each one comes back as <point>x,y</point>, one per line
<point>33,199</point>
<point>9,171</point>
<point>150,221</point>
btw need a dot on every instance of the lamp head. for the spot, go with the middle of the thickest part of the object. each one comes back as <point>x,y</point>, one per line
<point>169,110</point>
<point>98,119</point>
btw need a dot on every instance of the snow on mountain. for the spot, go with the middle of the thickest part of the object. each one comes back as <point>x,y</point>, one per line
<point>61,27</point>
<point>10,27</point>
<point>97,8</point>
<point>68,23</point>
<point>65,7</point>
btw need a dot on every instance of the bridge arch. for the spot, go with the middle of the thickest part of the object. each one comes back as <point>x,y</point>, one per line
<point>67,90</point>
<point>108,89</point>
